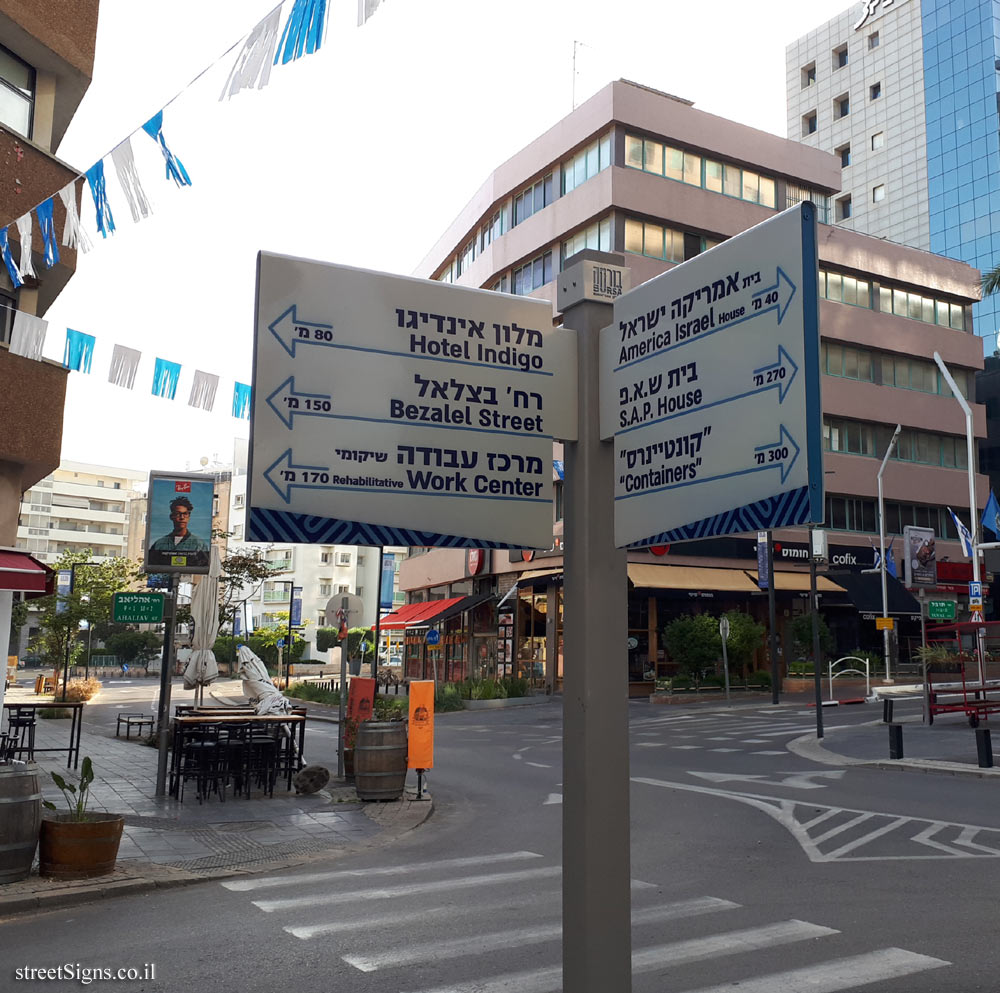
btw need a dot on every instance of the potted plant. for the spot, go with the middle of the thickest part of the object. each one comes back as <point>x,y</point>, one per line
<point>78,843</point>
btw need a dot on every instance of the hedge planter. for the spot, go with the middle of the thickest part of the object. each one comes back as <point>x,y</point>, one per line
<point>71,849</point>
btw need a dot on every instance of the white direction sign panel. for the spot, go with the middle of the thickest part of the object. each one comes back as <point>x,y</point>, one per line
<point>396,411</point>
<point>710,388</point>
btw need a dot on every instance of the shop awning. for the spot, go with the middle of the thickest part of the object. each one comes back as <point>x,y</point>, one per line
<point>538,577</point>
<point>865,591</point>
<point>682,577</point>
<point>798,582</point>
<point>21,573</point>
<point>464,604</point>
<point>417,614</point>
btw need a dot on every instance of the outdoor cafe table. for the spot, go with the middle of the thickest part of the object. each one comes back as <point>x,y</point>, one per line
<point>76,724</point>
<point>293,748</point>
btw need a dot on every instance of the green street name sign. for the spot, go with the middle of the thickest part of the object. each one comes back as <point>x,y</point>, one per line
<point>941,610</point>
<point>137,608</point>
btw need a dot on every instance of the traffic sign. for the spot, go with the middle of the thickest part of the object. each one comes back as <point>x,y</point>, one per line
<point>389,410</point>
<point>884,623</point>
<point>724,628</point>
<point>710,388</point>
<point>941,610</point>
<point>433,636</point>
<point>976,590</point>
<point>137,608</point>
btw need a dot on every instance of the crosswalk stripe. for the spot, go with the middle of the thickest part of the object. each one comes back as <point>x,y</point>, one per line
<point>671,954</point>
<point>268,882</point>
<point>840,974</point>
<point>524,936</point>
<point>466,882</point>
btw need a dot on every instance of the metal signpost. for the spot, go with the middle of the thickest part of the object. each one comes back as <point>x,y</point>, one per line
<point>724,635</point>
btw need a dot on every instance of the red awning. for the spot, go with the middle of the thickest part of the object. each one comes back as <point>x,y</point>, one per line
<point>21,573</point>
<point>416,614</point>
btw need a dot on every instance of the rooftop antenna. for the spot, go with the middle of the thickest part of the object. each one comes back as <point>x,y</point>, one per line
<point>582,45</point>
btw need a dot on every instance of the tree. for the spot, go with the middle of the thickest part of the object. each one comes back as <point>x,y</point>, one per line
<point>693,642</point>
<point>241,569</point>
<point>991,281</point>
<point>745,637</point>
<point>802,636</point>
<point>134,646</point>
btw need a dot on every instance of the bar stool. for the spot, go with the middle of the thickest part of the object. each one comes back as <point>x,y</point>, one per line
<point>200,760</point>
<point>21,732</point>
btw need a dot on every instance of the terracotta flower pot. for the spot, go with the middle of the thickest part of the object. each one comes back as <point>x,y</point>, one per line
<point>79,849</point>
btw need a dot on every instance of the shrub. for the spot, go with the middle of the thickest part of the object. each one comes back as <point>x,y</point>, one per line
<point>51,714</point>
<point>447,697</point>
<point>391,708</point>
<point>761,679</point>
<point>313,693</point>
<point>515,686</point>
<point>82,689</point>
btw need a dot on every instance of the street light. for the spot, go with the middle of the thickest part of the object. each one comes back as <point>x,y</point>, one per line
<point>881,545</point>
<point>72,583</point>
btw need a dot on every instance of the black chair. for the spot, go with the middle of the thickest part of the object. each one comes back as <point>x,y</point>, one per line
<point>21,732</point>
<point>235,741</point>
<point>202,759</point>
<point>264,758</point>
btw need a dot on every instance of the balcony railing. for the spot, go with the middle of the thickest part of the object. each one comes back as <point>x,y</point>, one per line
<point>280,565</point>
<point>275,596</point>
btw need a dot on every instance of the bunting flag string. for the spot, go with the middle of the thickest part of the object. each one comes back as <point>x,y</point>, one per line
<point>27,335</point>
<point>303,29</point>
<point>241,400</point>
<point>365,10</point>
<point>98,190</point>
<point>24,231</point>
<point>203,390</point>
<point>254,62</point>
<point>165,377</point>
<point>47,227</point>
<point>175,168</point>
<point>124,161</point>
<point>79,350</point>
<point>73,234</point>
<point>8,260</point>
<point>124,363</point>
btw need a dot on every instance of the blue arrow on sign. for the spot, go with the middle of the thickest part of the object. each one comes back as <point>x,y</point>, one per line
<point>286,403</point>
<point>778,376</point>
<point>778,296</point>
<point>283,475</point>
<point>777,454</point>
<point>290,331</point>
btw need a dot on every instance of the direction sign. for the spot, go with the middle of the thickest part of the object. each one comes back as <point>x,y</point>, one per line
<point>710,388</point>
<point>389,410</point>
<point>137,608</point>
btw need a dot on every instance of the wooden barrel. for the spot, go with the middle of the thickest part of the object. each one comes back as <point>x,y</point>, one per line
<point>20,819</point>
<point>380,760</point>
<point>79,849</point>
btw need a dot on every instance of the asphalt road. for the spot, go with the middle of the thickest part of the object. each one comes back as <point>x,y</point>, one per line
<point>753,869</point>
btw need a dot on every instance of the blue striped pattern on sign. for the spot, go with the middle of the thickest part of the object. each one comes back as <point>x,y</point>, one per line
<point>279,525</point>
<point>785,510</point>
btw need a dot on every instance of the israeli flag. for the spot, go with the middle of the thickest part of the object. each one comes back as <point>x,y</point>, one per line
<point>991,515</point>
<point>963,534</point>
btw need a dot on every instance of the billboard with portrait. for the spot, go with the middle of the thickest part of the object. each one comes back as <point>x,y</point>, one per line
<point>920,556</point>
<point>179,523</point>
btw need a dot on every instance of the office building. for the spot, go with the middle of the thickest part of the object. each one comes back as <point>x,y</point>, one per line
<point>653,180</point>
<point>904,93</point>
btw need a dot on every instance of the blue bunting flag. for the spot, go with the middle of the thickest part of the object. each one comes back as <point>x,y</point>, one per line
<point>48,228</point>
<point>165,376</point>
<point>175,168</point>
<point>98,190</point>
<point>241,400</point>
<point>79,350</point>
<point>303,29</point>
<point>8,259</point>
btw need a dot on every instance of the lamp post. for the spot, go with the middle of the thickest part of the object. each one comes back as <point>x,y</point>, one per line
<point>973,523</point>
<point>72,582</point>
<point>881,545</point>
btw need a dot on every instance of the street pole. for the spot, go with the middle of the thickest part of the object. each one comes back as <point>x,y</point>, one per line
<point>378,619</point>
<point>817,661</point>
<point>163,705</point>
<point>881,545</point>
<point>772,621</point>
<point>596,897</point>
<point>973,523</point>
<point>291,598</point>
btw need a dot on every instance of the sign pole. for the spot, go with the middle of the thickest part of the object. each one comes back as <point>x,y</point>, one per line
<point>597,938</point>
<point>163,707</point>
<point>817,661</point>
<point>772,621</point>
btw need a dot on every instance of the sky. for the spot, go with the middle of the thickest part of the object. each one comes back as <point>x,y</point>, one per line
<point>359,154</point>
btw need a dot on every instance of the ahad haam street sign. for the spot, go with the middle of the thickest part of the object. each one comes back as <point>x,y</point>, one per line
<point>710,387</point>
<point>396,411</point>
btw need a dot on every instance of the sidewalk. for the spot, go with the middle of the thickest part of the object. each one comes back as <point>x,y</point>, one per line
<point>168,843</point>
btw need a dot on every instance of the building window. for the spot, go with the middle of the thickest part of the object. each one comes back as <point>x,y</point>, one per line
<point>325,589</point>
<point>865,438</point>
<point>343,589</point>
<point>533,274</point>
<point>465,258</point>
<point>873,40</point>
<point>841,106</point>
<point>808,75</point>
<point>17,93</point>
<point>493,228</point>
<point>586,164</point>
<point>595,236</point>
<point>795,195</point>
<point>875,91</point>
<point>878,140</point>
<point>653,240</point>
<point>840,57</point>
<point>533,199</point>
<point>878,193</point>
<point>844,289</point>
<point>343,558</point>
<point>809,123</point>
<point>845,155</point>
<point>844,208</point>
<point>905,303</point>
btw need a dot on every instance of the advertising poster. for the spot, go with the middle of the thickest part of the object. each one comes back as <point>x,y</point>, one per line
<point>360,701</point>
<point>179,523</point>
<point>388,581</point>
<point>919,556</point>
<point>421,735</point>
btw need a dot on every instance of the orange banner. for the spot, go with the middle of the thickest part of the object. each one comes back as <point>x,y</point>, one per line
<point>421,735</point>
<point>360,701</point>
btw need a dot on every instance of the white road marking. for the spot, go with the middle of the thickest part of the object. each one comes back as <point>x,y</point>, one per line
<point>539,765</point>
<point>495,941</point>
<point>686,747</point>
<point>723,749</point>
<point>768,753</point>
<point>553,798</point>
<point>267,882</point>
<point>651,744</point>
<point>839,974</point>
<point>649,959</point>
<point>796,780</point>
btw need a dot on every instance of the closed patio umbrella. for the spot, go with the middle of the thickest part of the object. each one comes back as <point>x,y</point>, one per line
<point>257,685</point>
<point>202,668</point>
